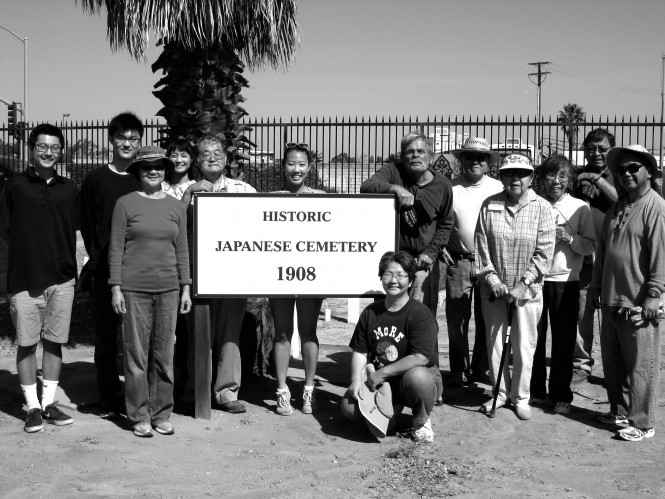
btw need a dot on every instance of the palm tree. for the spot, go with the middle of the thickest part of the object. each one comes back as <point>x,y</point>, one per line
<point>570,115</point>
<point>206,45</point>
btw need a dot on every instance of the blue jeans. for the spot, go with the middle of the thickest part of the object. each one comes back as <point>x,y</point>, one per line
<point>460,292</point>
<point>631,360</point>
<point>148,336</point>
<point>560,301</point>
<point>417,388</point>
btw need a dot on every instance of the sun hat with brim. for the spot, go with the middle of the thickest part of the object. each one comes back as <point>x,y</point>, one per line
<point>616,152</point>
<point>477,145</point>
<point>516,162</point>
<point>151,156</point>
<point>377,406</point>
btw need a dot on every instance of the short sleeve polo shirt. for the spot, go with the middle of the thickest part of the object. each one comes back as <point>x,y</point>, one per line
<point>42,219</point>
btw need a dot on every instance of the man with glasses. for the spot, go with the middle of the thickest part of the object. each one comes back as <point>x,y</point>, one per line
<point>39,215</point>
<point>226,314</point>
<point>595,185</point>
<point>470,189</point>
<point>101,189</point>
<point>628,283</point>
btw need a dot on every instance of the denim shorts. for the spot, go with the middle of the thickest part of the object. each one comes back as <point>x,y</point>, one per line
<point>42,314</point>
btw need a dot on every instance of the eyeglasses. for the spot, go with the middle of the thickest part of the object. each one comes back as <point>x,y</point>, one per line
<point>519,173</point>
<point>207,156</point>
<point>55,148</point>
<point>400,276</point>
<point>599,150</point>
<point>121,139</point>
<point>629,167</point>
<point>294,145</point>
<point>553,176</point>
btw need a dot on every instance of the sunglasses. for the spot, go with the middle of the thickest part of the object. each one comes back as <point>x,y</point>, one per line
<point>153,166</point>
<point>475,157</point>
<point>519,173</point>
<point>295,145</point>
<point>629,168</point>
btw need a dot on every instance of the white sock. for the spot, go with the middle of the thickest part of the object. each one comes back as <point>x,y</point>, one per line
<point>48,392</point>
<point>309,388</point>
<point>30,394</point>
<point>283,390</point>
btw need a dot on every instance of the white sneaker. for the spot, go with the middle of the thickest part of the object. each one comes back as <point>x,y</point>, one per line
<point>309,404</point>
<point>424,433</point>
<point>284,402</point>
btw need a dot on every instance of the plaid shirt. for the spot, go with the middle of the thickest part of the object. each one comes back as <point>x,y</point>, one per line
<point>514,242</point>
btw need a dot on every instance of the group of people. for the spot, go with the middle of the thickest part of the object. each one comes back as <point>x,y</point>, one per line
<point>497,245</point>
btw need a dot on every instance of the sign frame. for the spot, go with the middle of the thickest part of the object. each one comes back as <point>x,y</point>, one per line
<point>196,292</point>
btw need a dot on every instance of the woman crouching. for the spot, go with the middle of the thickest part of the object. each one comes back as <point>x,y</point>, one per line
<point>398,337</point>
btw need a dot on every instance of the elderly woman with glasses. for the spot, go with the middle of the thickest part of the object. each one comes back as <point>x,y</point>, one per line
<point>226,314</point>
<point>149,279</point>
<point>575,238</point>
<point>296,166</point>
<point>514,246</point>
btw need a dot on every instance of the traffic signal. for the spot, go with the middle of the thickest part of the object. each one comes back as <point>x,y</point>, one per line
<point>12,115</point>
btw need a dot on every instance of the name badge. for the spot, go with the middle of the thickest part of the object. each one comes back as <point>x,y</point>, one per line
<point>496,206</point>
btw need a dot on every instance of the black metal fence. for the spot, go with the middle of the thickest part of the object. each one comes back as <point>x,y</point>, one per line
<point>348,150</point>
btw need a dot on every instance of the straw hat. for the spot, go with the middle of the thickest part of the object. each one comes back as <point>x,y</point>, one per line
<point>516,162</point>
<point>375,407</point>
<point>616,152</point>
<point>151,155</point>
<point>477,145</point>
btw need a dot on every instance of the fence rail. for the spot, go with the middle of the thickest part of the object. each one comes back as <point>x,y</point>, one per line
<point>348,150</point>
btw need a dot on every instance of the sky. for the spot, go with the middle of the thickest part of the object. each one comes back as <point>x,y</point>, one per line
<point>369,58</point>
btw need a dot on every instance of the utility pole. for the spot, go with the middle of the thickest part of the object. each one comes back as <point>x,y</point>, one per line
<point>540,78</point>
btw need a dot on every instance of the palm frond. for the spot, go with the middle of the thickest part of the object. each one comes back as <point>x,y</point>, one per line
<point>260,31</point>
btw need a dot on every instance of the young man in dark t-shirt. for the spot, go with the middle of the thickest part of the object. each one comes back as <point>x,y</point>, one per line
<point>39,215</point>
<point>101,189</point>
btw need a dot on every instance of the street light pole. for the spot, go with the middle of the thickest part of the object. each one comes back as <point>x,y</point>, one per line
<point>25,72</point>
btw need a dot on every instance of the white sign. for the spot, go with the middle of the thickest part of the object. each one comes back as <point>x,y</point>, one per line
<point>291,244</point>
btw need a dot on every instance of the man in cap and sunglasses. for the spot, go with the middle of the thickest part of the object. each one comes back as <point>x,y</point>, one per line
<point>470,189</point>
<point>628,283</point>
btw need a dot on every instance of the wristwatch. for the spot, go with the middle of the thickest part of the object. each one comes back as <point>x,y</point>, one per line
<point>526,281</point>
<point>653,293</point>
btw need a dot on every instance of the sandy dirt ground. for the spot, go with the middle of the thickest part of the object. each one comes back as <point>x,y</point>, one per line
<point>260,454</point>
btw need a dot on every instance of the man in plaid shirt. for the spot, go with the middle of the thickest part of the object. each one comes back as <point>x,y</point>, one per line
<point>514,248</point>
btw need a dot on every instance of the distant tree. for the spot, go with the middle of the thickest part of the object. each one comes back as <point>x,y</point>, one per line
<point>315,157</point>
<point>570,116</point>
<point>341,158</point>
<point>393,158</point>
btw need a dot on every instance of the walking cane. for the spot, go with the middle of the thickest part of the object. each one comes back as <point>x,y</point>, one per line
<point>504,354</point>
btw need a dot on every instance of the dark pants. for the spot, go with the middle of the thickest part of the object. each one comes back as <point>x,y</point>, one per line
<point>560,301</point>
<point>417,388</point>
<point>105,323</point>
<point>461,292</point>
